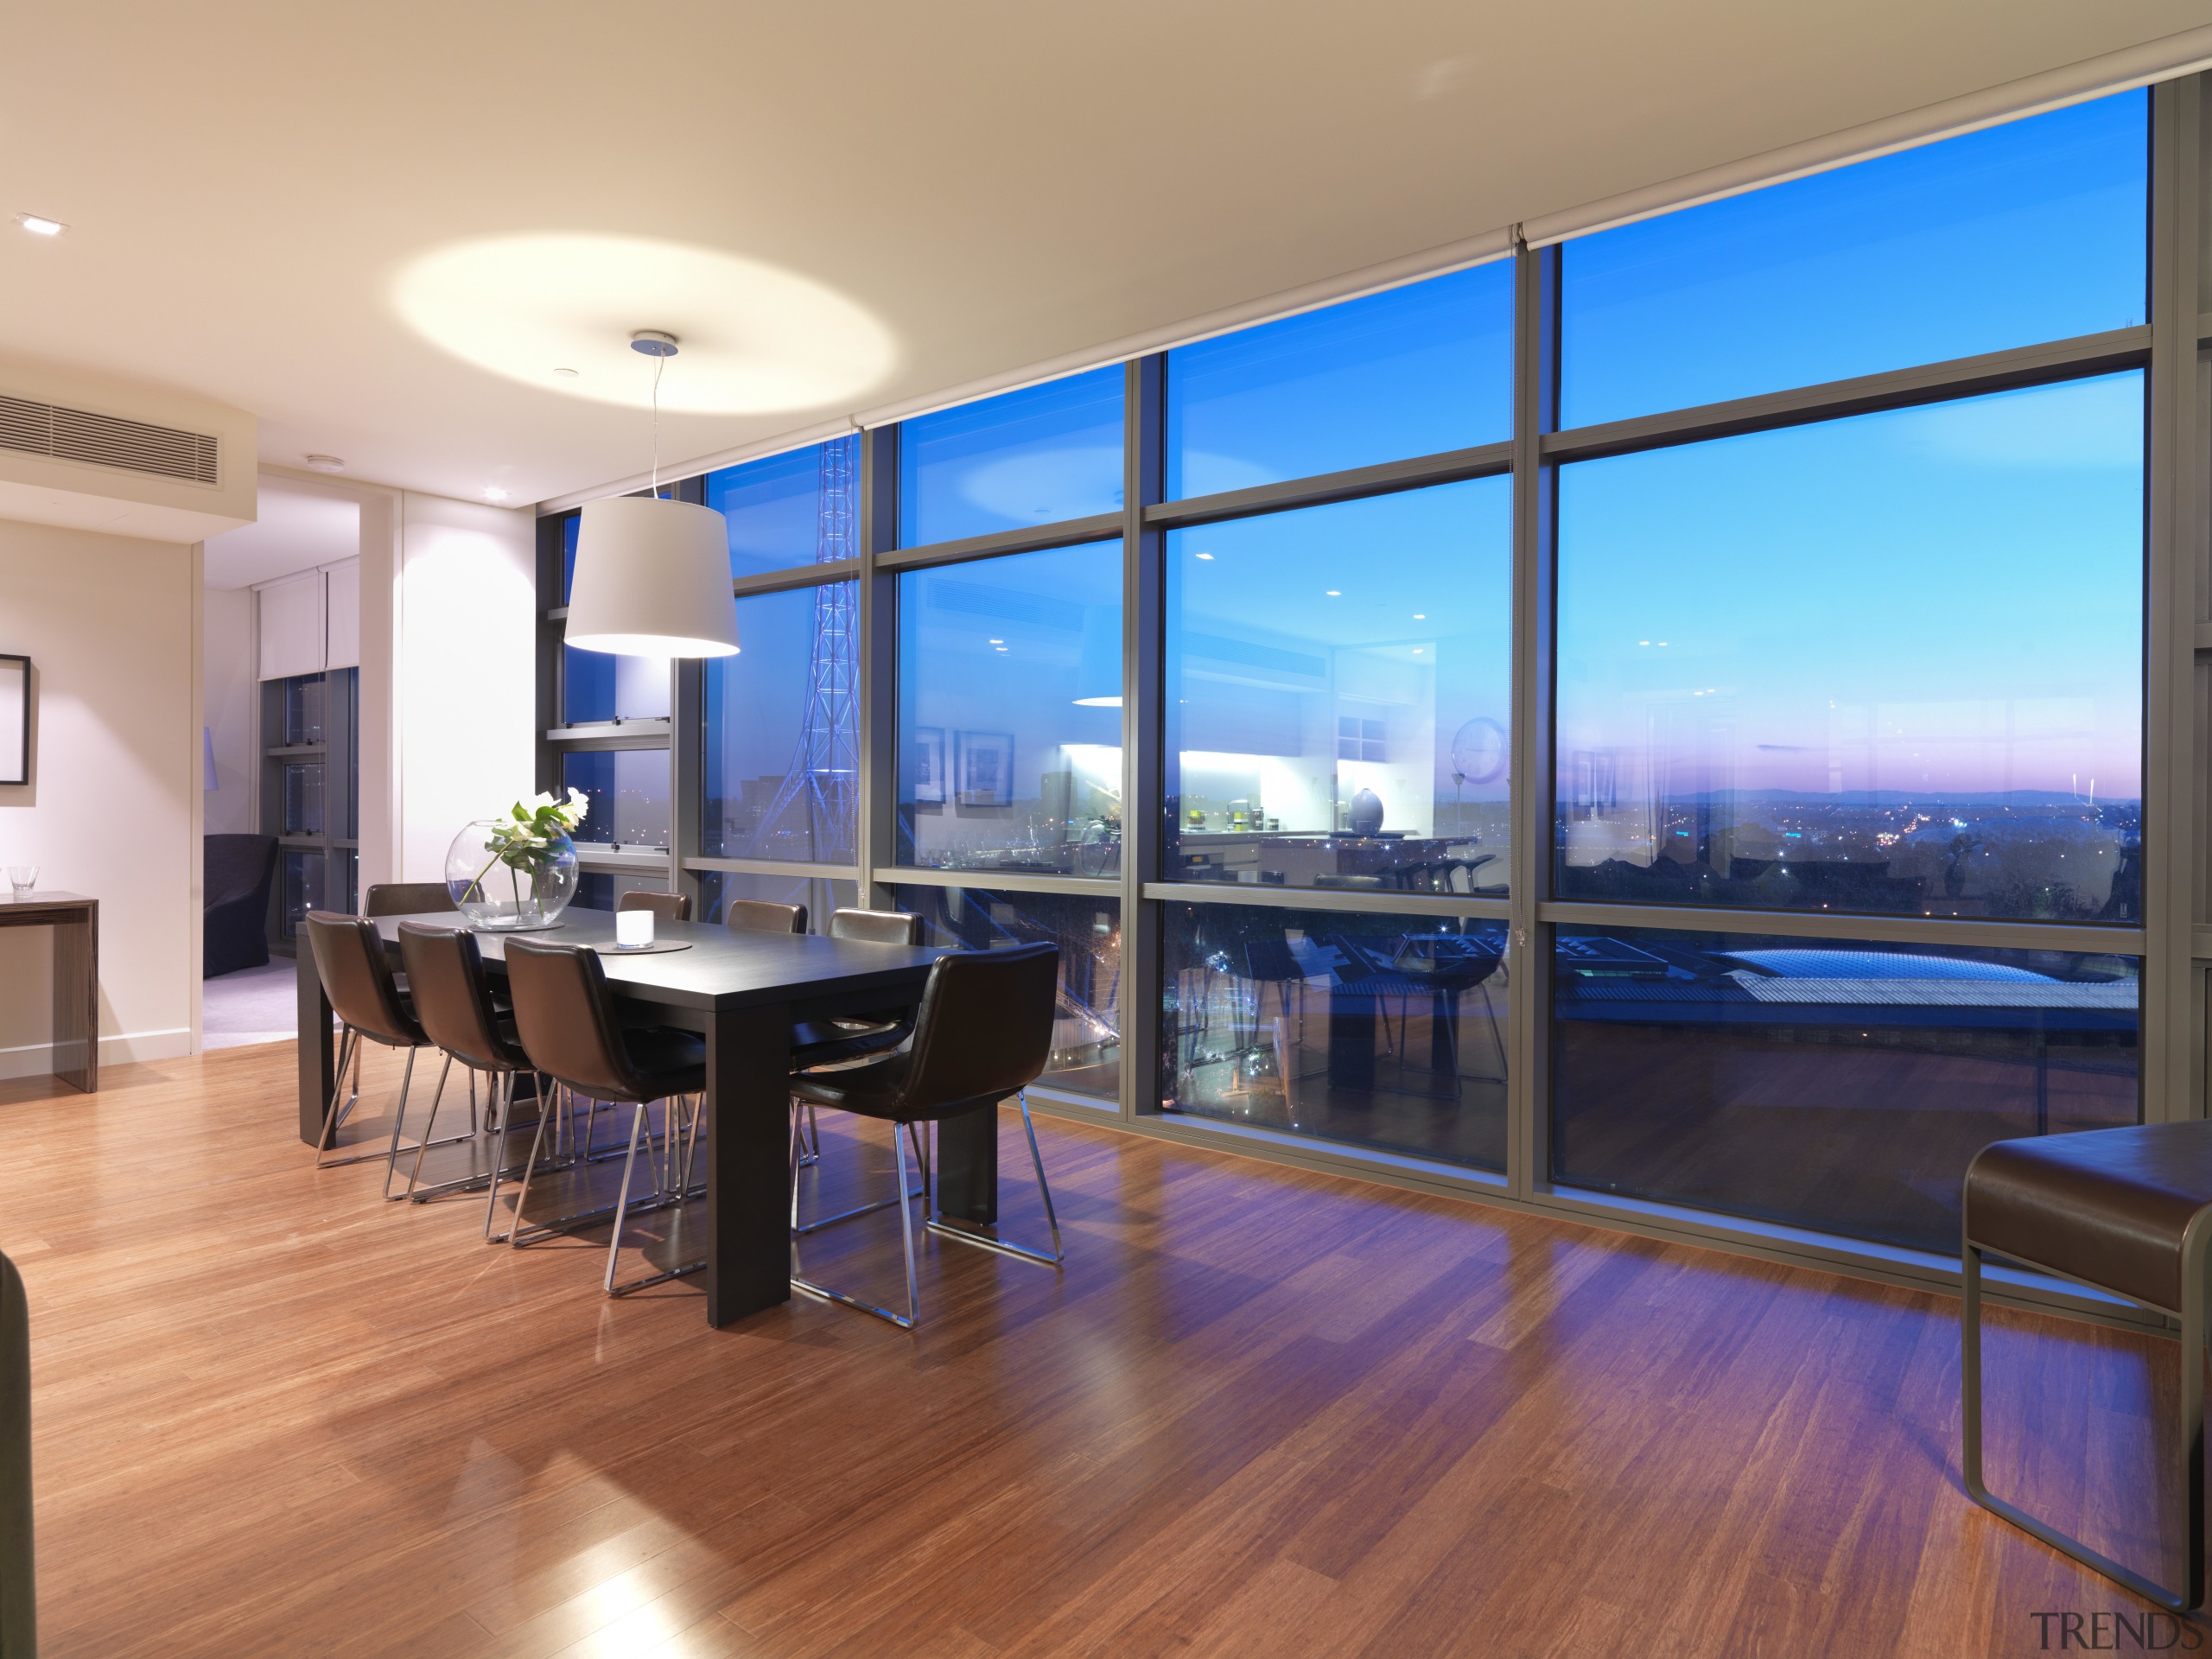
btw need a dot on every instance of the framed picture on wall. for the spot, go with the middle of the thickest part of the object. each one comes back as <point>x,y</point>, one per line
<point>985,763</point>
<point>929,765</point>
<point>15,719</point>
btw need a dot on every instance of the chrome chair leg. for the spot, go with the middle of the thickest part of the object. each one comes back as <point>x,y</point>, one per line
<point>622,1199</point>
<point>906,1237</point>
<point>349,1042</point>
<point>430,1128</point>
<point>660,1200</point>
<point>960,1230</point>
<point>798,1141</point>
<point>398,1117</point>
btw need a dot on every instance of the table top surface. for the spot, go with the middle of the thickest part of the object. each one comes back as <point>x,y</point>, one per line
<point>43,899</point>
<point>724,968</point>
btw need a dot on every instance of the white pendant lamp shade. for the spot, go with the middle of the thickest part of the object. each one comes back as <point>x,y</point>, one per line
<point>652,580</point>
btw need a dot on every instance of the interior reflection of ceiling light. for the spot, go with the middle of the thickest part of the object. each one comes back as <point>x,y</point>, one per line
<point>325,464</point>
<point>1334,592</point>
<point>998,642</point>
<point>1421,616</point>
<point>757,339</point>
<point>1205,555</point>
<point>39,224</point>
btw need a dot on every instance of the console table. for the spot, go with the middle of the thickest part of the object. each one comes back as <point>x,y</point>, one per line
<point>75,920</point>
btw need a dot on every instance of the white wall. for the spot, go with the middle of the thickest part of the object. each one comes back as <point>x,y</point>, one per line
<point>111,625</point>
<point>466,696</point>
<point>227,692</point>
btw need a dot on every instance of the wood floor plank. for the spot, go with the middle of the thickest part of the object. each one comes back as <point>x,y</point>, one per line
<point>1263,1411</point>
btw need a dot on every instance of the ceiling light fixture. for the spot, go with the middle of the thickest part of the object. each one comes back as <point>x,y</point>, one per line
<point>1334,592</point>
<point>39,224</point>
<point>652,575</point>
<point>493,493</point>
<point>1205,555</point>
<point>325,464</point>
<point>566,374</point>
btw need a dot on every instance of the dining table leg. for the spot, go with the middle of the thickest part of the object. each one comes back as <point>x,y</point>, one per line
<point>318,1063</point>
<point>748,1161</point>
<point>968,1167</point>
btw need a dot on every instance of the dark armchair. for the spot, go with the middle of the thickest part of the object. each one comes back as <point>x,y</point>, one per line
<point>235,932</point>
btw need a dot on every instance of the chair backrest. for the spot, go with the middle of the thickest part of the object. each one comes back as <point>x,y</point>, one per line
<point>407,898</point>
<point>566,1018</point>
<point>445,981</point>
<point>761,916</point>
<point>667,907</point>
<point>879,926</point>
<point>233,867</point>
<point>357,976</point>
<point>984,1028</point>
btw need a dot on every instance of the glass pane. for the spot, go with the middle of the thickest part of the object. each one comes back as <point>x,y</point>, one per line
<point>1414,371</point>
<point>1382,1031</point>
<point>600,889</point>
<point>1822,1083</point>
<point>1009,713</point>
<point>628,791</point>
<point>1027,457</point>
<point>344,881</point>
<point>1340,691</point>
<point>301,891</point>
<point>1087,1035</point>
<point>304,785</point>
<point>2028,231</point>
<point>570,526</point>
<point>801,508</point>
<point>598,686</point>
<point>820,897</point>
<point>305,699</point>
<point>1887,664</point>
<point>781,773</point>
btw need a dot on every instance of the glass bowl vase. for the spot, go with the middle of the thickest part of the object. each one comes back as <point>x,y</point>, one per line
<point>523,891</point>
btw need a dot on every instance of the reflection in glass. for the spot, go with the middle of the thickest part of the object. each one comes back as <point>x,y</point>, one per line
<point>1414,371</point>
<point>1026,457</point>
<point>570,527</point>
<point>2027,231</point>
<point>600,889</point>
<point>1383,1031</point>
<point>301,890</point>
<point>781,772</point>
<point>598,686</point>
<point>820,896</point>
<point>303,798</point>
<point>800,508</point>
<point>627,791</point>
<point>1892,663</point>
<point>1009,716</point>
<point>305,699</point>
<point>1837,1086</point>
<point>1340,686</point>
<point>1087,1035</point>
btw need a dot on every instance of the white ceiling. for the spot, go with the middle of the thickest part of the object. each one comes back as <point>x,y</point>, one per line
<point>992,184</point>
<point>299,529</point>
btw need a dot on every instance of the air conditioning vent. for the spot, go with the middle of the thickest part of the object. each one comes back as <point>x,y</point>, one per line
<point>105,440</point>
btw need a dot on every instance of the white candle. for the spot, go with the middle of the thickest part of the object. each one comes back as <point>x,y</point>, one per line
<point>633,928</point>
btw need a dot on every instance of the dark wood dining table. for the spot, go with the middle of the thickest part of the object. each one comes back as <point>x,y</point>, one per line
<point>743,993</point>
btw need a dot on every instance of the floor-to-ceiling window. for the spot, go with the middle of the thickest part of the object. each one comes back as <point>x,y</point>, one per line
<point>1727,631</point>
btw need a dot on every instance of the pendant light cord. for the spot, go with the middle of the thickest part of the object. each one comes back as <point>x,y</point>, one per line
<point>658,364</point>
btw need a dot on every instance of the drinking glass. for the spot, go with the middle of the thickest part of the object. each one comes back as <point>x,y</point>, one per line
<point>23,878</point>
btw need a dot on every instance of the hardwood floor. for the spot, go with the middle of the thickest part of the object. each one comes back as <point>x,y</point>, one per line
<point>1263,1412</point>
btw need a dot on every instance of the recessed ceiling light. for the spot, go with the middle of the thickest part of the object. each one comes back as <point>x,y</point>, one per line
<point>1335,593</point>
<point>1205,555</point>
<point>493,493</point>
<point>567,374</point>
<point>39,224</point>
<point>1421,616</point>
<point>325,464</point>
<point>1002,650</point>
<point>998,642</point>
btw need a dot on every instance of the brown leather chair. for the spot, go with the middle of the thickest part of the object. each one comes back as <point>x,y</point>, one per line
<point>357,977</point>
<point>453,1001</point>
<point>407,898</point>
<point>2128,1210</point>
<point>569,1028</point>
<point>763,916</point>
<point>983,1032</point>
<point>665,906</point>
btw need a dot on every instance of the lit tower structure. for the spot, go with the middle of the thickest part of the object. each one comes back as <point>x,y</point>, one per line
<point>824,773</point>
